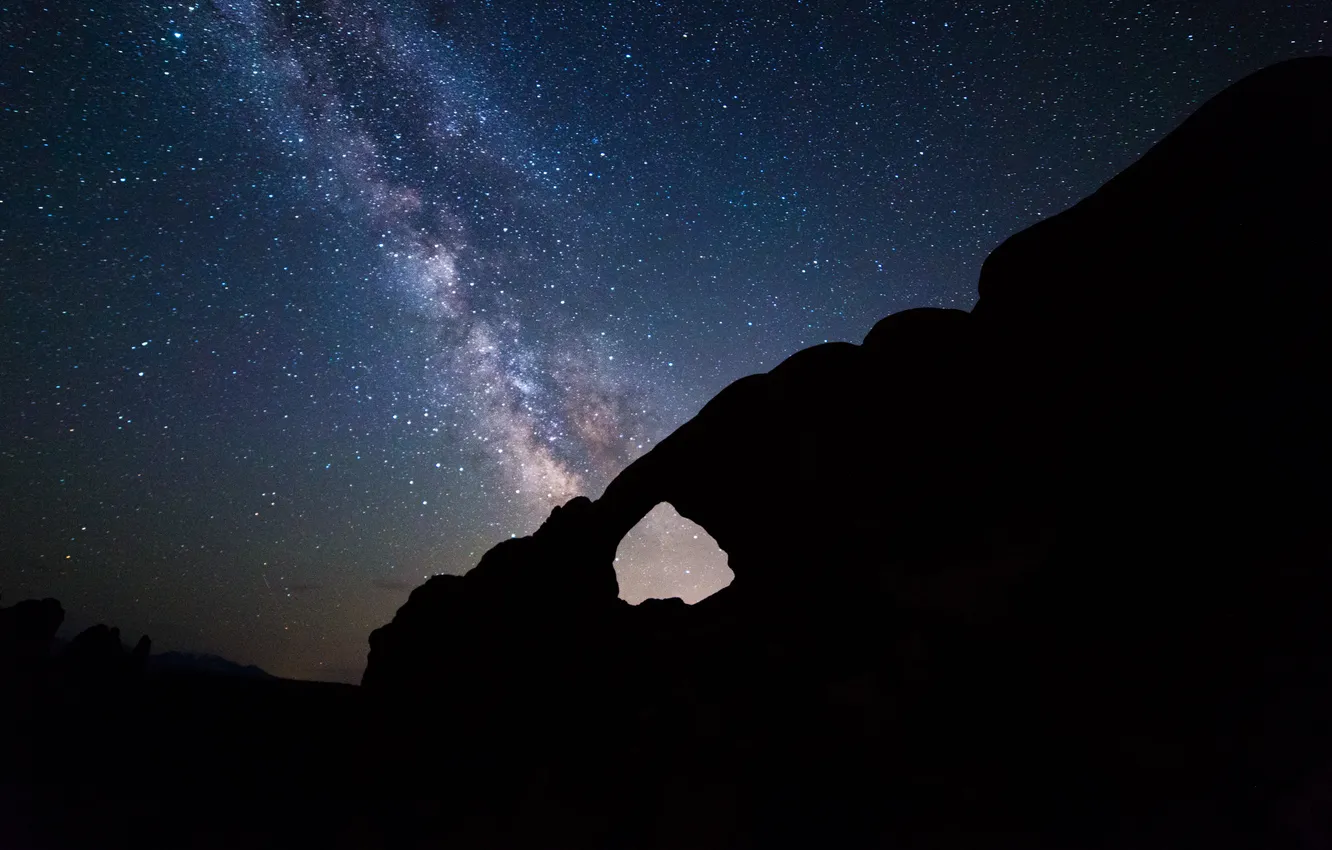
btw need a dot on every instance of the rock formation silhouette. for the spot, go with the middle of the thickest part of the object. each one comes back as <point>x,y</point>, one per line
<point>26,632</point>
<point>1060,560</point>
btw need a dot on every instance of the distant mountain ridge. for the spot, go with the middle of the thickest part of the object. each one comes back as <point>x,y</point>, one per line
<point>181,662</point>
<point>204,663</point>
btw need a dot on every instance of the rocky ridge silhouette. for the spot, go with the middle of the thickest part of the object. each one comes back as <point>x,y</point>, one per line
<point>1060,560</point>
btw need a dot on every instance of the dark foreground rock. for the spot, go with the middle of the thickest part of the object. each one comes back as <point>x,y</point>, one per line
<point>1056,569</point>
<point>101,750</point>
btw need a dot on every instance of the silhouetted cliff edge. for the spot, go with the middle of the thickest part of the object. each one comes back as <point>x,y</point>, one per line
<point>1055,565</point>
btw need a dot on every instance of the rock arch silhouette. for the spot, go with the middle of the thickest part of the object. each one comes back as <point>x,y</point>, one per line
<point>1126,439</point>
<point>838,451</point>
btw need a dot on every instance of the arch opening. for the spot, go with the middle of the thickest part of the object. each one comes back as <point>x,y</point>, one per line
<point>666,555</point>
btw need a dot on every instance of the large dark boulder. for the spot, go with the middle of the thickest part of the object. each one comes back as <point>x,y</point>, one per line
<point>27,630</point>
<point>1062,560</point>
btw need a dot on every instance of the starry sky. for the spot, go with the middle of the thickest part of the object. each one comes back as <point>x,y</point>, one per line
<point>306,300</point>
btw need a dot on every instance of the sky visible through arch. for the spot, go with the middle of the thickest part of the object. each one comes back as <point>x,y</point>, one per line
<point>305,301</point>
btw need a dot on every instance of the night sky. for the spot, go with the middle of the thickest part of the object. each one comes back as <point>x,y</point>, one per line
<point>306,301</point>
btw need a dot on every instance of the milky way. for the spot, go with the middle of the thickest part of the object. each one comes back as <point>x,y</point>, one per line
<point>306,301</point>
<point>416,157</point>
<point>418,172</point>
